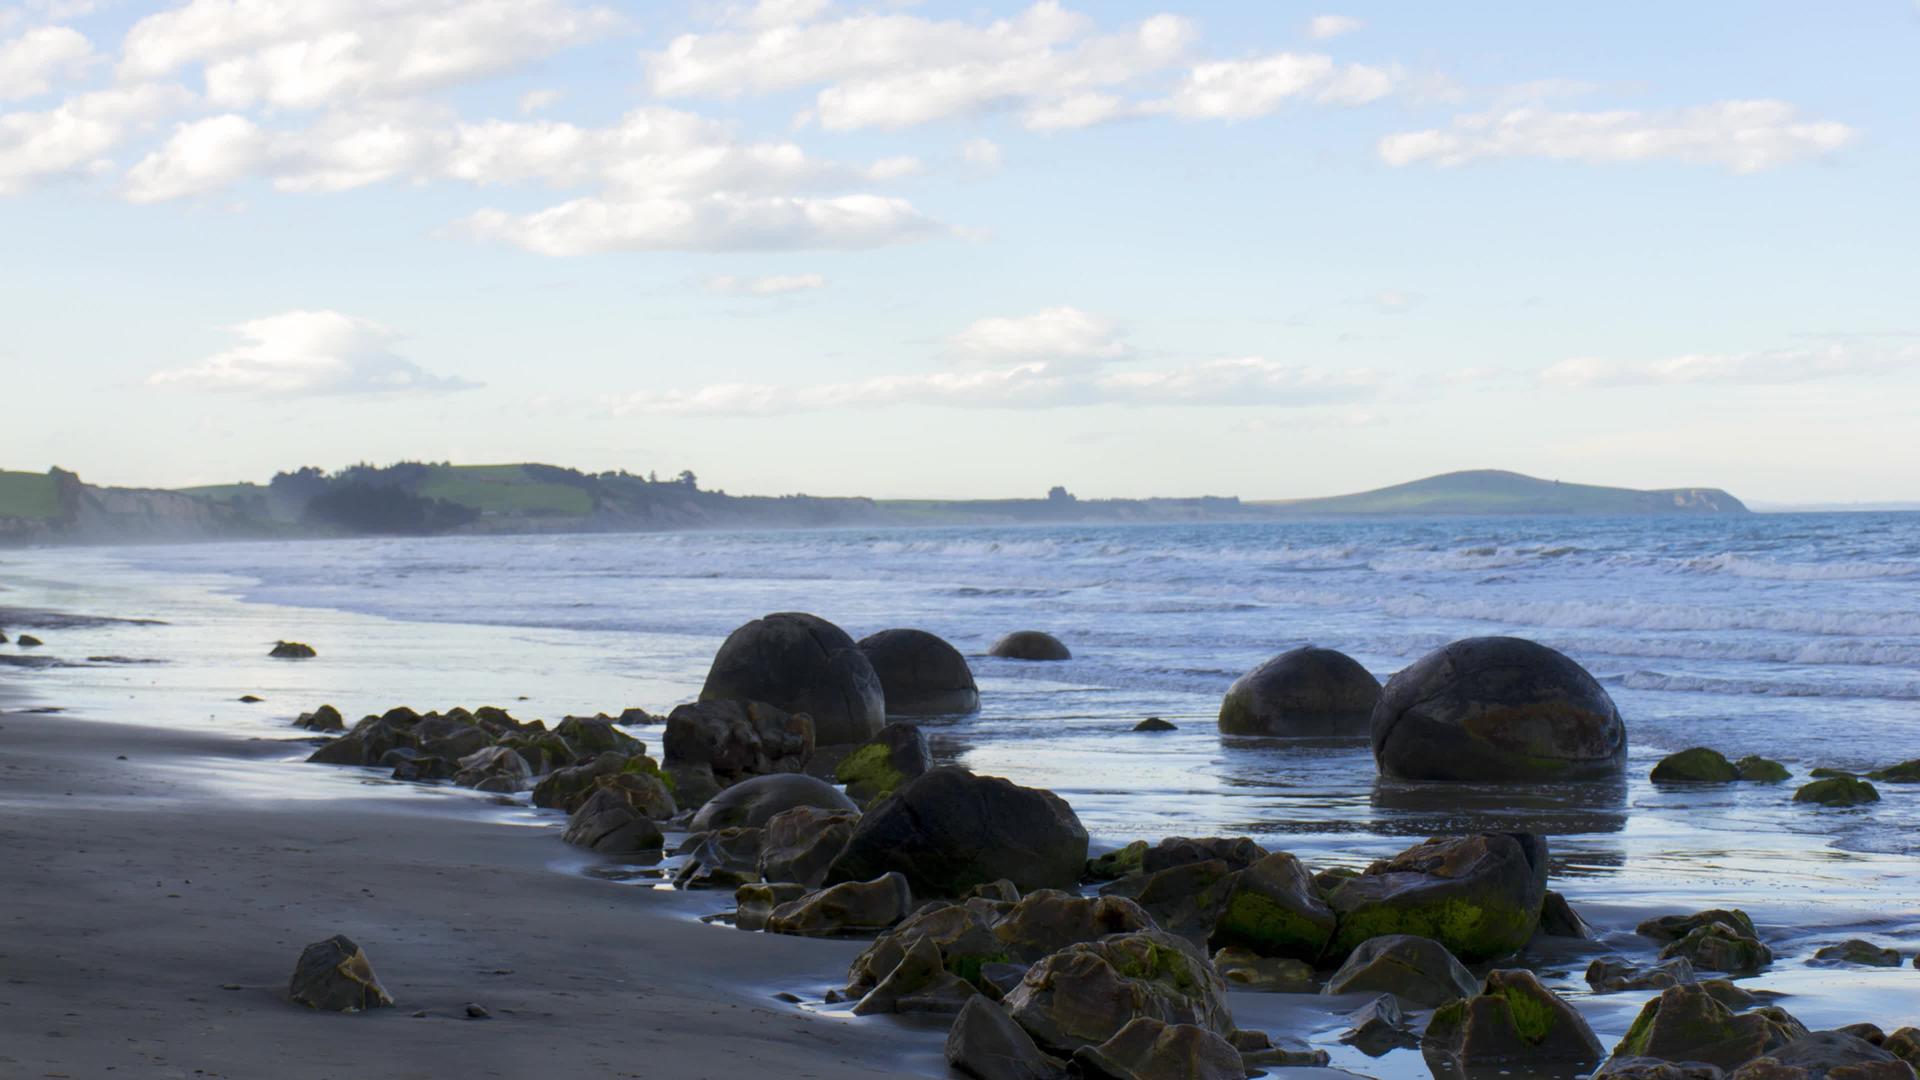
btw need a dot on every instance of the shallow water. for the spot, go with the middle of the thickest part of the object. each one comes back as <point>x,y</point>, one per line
<point>1795,636</point>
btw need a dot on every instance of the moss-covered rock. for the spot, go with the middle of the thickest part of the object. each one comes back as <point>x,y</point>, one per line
<point>565,789</point>
<point>1238,852</point>
<point>1048,920</point>
<point>918,984</point>
<point>1417,970</point>
<point>1084,994</point>
<point>1719,947</point>
<point>1480,896</point>
<point>1904,1043</point>
<point>1907,772</point>
<point>1187,899</point>
<point>1857,951</point>
<point>1513,1023</point>
<point>897,754</point>
<point>324,718</point>
<point>1828,773</point>
<point>1685,1023</point>
<point>1699,765</point>
<point>1755,769</point>
<point>1154,723</point>
<point>1117,864</point>
<point>1837,791</point>
<point>1271,908</point>
<point>610,823</point>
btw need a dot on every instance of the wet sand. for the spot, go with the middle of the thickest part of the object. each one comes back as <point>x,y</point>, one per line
<point>134,892</point>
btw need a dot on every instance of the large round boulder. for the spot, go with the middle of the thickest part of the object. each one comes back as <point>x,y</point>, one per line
<point>1030,645</point>
<point>1303,691</point>
<point>1497,708</point>
<point>802,664</point>
<point>921,674</point>
<point>752,803</point>
<point>949,830</point>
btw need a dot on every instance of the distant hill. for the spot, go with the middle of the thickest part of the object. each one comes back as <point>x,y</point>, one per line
<point>421,498</point>
<point>1493,491</point>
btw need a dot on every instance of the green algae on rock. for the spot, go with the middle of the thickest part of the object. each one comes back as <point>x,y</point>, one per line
<point>1479,896</point>
<point>1513,1022</point>
<point>1685,1023</point>
<point>1838,791</point>
<point>1085,994</point>
<point>1113,865</point>
<point>1699,765</point>
<point>1907,772</point>
<point>1755,769</point>
<point>896,754</point>
<point>1272,908</point>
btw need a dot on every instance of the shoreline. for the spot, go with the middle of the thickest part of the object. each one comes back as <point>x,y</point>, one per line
<point>136,892</point>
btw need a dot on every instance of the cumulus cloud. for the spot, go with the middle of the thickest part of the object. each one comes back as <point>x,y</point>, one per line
<point>317,52</point>
<point>75,137</point>
<point>1238,89</point>
<point>298,353</point>
<point>200,156</point>
<point>1779,366</point>
<point>32,63</point>
<point>719,222</point>
<point>771,285</point>
<point>1742,136</point>
<point>1057,333</point>
<point>1323,27</point>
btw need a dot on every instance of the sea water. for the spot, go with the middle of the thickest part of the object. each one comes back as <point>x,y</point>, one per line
<point>1792,636</point>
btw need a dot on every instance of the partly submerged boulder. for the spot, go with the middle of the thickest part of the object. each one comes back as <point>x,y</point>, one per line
<point>849,907</point>
<point>1147,1049</point>
<point>950,830</point>
<point>803,664</point>
<point>1907,772</point>
<point>986,1044</point>
<point>891,758</point>
<point>1857,951</point>
<point>1417,970</point>
<point>1699,765</point>
<point>1308,691</point>
<point>1030,645</point>
<point>335,976</point>
<point>1084,994</point>
<point>1558,919</point>
<point>1717,946</point>
<point>1513,1023</point>
<point>1837,791</point>
<point>283,650</point>
<point>1499,709</point>
<point>1685,1023</point>
<point>920,673</point>
<point>752,803</point>
<point>1480,896</point>
<point>1755,769</point>
<point>799,844</point>
<point>1666,928</point>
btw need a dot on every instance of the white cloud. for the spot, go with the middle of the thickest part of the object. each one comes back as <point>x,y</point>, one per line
<point>308,53</point>
<point>1323,27</point>
<point>32,63</point>
<point>981,153</point>
<point>76,136</point>
<point>1238,89</point>
<point>771,285</point>
<point>535,101</point>
<point>1057,333</point>
<point>1742,136</point>
<point>1779,366</point>
<point>1248,380</point>
<point>718,222</point>
<point>200,156</point>
<point>309,353</point>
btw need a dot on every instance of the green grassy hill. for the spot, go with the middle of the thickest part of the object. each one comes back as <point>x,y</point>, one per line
<point>1492,491</point>
<point>28,496</point>
<point>504,489</point>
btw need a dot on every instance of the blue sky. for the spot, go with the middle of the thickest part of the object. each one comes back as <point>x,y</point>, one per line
<point>897,249</point>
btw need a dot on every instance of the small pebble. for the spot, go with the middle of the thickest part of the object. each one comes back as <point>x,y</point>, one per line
<point>230,986</point>
<point>477,1012</point>
<point>791,999</point>
<point>421,1015</point>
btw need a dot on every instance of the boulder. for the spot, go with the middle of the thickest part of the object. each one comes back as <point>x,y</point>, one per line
<point>1112,865</point>
<point>1756,769</point>
<point>1719,947</point>
<point>1379,1027</point>
<point>1907,772</point>
<point>1048,920</point>
<point>1147,1049</point>
<point>1646,1068</point>
<point>1000,889</point>
<point>1084,994</point>
<point>920,674</point>
<point>1699,765</point>
<point>719,859</point>
<point>1856,951</point>
<point>565,789</point>
<point>594,735</point>
<point>1307,691</point>
<point>802,664</point>
<point>1479,896</point>
<point>986,1044</point>
<point>849,907</point>
<point>753,904</point>
<point>962,932</point>
<point>1667,928</point>
<point>1513,1023</point>
<point>1685,1023</point>
<point>610,823</point>
<point>284,650</point>
<point>1825,1054</point>
<point>1154,723</point>
<point>799,844</point>
<point>324,718</point>
<point>736,740</point>
<point>879,766</point>
<point>1497,709</point>
<point>1271,907</point>
<point>918,984</point>
<point>1904,1044</point>
<point>752,803</point>
<point>949,830</point>
<point>1238,852</point>
<point>1187,899</point>
<point>1029,645</point>
<point>1417,970</point>
<point>28,641</point>
<point>335,976</point>
<point>494,768</point>
<point>1558,919</point>
<point>1244,969</point>
<point>1837,791</point>
<point>1610,974</point>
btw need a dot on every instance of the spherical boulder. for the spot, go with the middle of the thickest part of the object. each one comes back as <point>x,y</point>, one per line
<point>802,664</point>
<point>920,673</point>
<point>1030,645</point>
<point>1304,691</point>
<point>1497,709</point>
<point>752,803</point>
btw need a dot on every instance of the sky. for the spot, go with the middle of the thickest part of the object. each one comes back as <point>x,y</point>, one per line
<point>899,249</point>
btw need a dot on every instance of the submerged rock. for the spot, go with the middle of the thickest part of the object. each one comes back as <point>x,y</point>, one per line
<point>1244,969</point>
<point>1419,971</point>
<point>849,907</point>
<point>1258,1049</point>
<point>752,803</point>
<point>1154,723</point>
<point>1030,645</point>
<point>1719,947</point>
<point>1514,1022</point>
<point>1907,772</point>
<point>950,830</point>
<point>1085,994</point>
<point>1609,974</point>
<point>1837,791</point>
<point>986,1044</point>
<point>1497,708</point>
<point>1756,769</point>
<point>1674,927</point>
<point>882,764</point>
<point>335,976</point>
<point>284,650</point>
<point>1699,765</point>
<point>802,842</point>
<point>920,673</point>
<point>1686,1024</point>
<point>1148,1049</point>
<point>1479,896</point>
<point>802,664</point>
<point>1307,691</point>
<point>1856,951</point>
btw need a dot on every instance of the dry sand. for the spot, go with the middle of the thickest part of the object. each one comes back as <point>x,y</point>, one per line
<point>134,892</point>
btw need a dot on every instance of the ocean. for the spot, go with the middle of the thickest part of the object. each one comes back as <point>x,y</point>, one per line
<point>1794,636</point>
